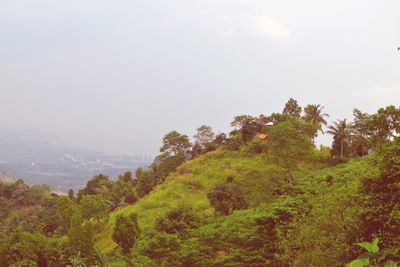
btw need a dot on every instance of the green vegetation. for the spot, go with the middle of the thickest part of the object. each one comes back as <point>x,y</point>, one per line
<point>227,200</point>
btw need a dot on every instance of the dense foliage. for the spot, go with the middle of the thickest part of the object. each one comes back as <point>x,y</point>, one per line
<point>226,200</point>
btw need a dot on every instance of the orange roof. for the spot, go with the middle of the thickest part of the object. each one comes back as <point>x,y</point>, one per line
<point>263,136</point>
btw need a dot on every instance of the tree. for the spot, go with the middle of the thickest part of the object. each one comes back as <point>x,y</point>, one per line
<point>249,129</point>
<point>313,114</point>
<point>227,198</point>
<point>127,177</point>
<point>50,219</point>
<point>178,220</point>
<point>94,206</point>
<point>71,194</point>
<point>196,151</point>
<point>120,189</point>
<point>19,249</point>
<point>220,139</point>
<point>340,132</point>
<point>248,238</point>
<point>160,247</point>
<point>99,184</point>
<point>145,183</point>
<point>385,123</point>
<point>381,197</point>
<point>81,237</point>
<point>126,231</point>
<point>290,141</point>
<point>176,149</point>
<point>130,197</point>
<point>4,208</point>
<point>203,136</point>
<point>261,122</point>
<point>66,209</point>
<point>164,164</point>
<point>361,133</point>
<point>292,108</point>
<point>175,143</point>
<point>245,125</point>
<point>241,120</point>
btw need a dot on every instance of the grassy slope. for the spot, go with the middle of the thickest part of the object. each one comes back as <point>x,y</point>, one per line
<point>254,174</point>
<point>353,171</point>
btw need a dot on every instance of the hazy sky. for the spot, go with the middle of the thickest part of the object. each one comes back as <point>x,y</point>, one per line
<point>116,76</point>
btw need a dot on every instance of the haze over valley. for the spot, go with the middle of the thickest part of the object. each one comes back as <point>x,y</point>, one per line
<point>37,161</point>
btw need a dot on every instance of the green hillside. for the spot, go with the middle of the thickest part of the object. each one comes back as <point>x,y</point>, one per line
<point>264,196</point>
<point>259,180</point>
<point>254,174</point>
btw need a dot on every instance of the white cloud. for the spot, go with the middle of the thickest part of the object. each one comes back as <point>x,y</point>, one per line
<point>383,91</point>
<point>263,27</point>
<point>268,27</point>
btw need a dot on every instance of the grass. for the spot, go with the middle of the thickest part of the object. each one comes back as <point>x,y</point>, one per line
<point>255,175</point>
<point>116,264</point>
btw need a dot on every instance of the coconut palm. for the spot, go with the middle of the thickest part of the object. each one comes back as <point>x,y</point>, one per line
<point>340,131</point>
<point>313,114</point>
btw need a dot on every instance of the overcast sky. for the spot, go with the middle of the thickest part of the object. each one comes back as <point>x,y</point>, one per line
<point>116,76</point>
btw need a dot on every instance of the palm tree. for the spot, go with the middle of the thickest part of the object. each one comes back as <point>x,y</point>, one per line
<point>313,114</point>
<point>340,130</point>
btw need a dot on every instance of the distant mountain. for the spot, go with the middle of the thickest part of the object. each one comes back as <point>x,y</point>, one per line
<point>37,161</point>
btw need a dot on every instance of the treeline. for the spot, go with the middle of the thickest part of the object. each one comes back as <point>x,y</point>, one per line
<point>39,228</point>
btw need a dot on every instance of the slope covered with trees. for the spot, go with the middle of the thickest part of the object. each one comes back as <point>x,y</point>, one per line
<point>226,200</point>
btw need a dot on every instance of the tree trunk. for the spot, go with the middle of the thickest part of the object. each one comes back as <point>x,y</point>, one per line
<point>341,147</point>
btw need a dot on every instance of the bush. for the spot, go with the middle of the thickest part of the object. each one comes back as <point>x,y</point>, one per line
<point>257,147</point>
<point>126,232</point>
<point>227,198</point>
<point>178,220</point>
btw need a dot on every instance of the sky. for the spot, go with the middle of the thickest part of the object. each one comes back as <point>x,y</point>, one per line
<point>116,76</point>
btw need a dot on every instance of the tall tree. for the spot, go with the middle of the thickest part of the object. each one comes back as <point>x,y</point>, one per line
<point>80,236</point>
<point>290,141</point>
<point>145,182</point>
<point>94,206</point>
<point>313,114</point>
<point>65,208</point>
<point>239,121</point>
<point>245,125</point>
<point>340,132</point>
<point>126,231</point>
<point>386,122</point>
<point>381,197</point>
<point>97,185</point>
<point>204,135</point>
<point>292,108</point>
<point>175,143</point>
<point>71,194</point>
<point>361,132</point>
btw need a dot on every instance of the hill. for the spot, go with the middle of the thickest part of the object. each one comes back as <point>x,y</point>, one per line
<point>254,174</point>
<point>240,200</point>
<point>266,189</point>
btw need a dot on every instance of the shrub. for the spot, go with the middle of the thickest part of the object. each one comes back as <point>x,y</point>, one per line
<point>227,198</point>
